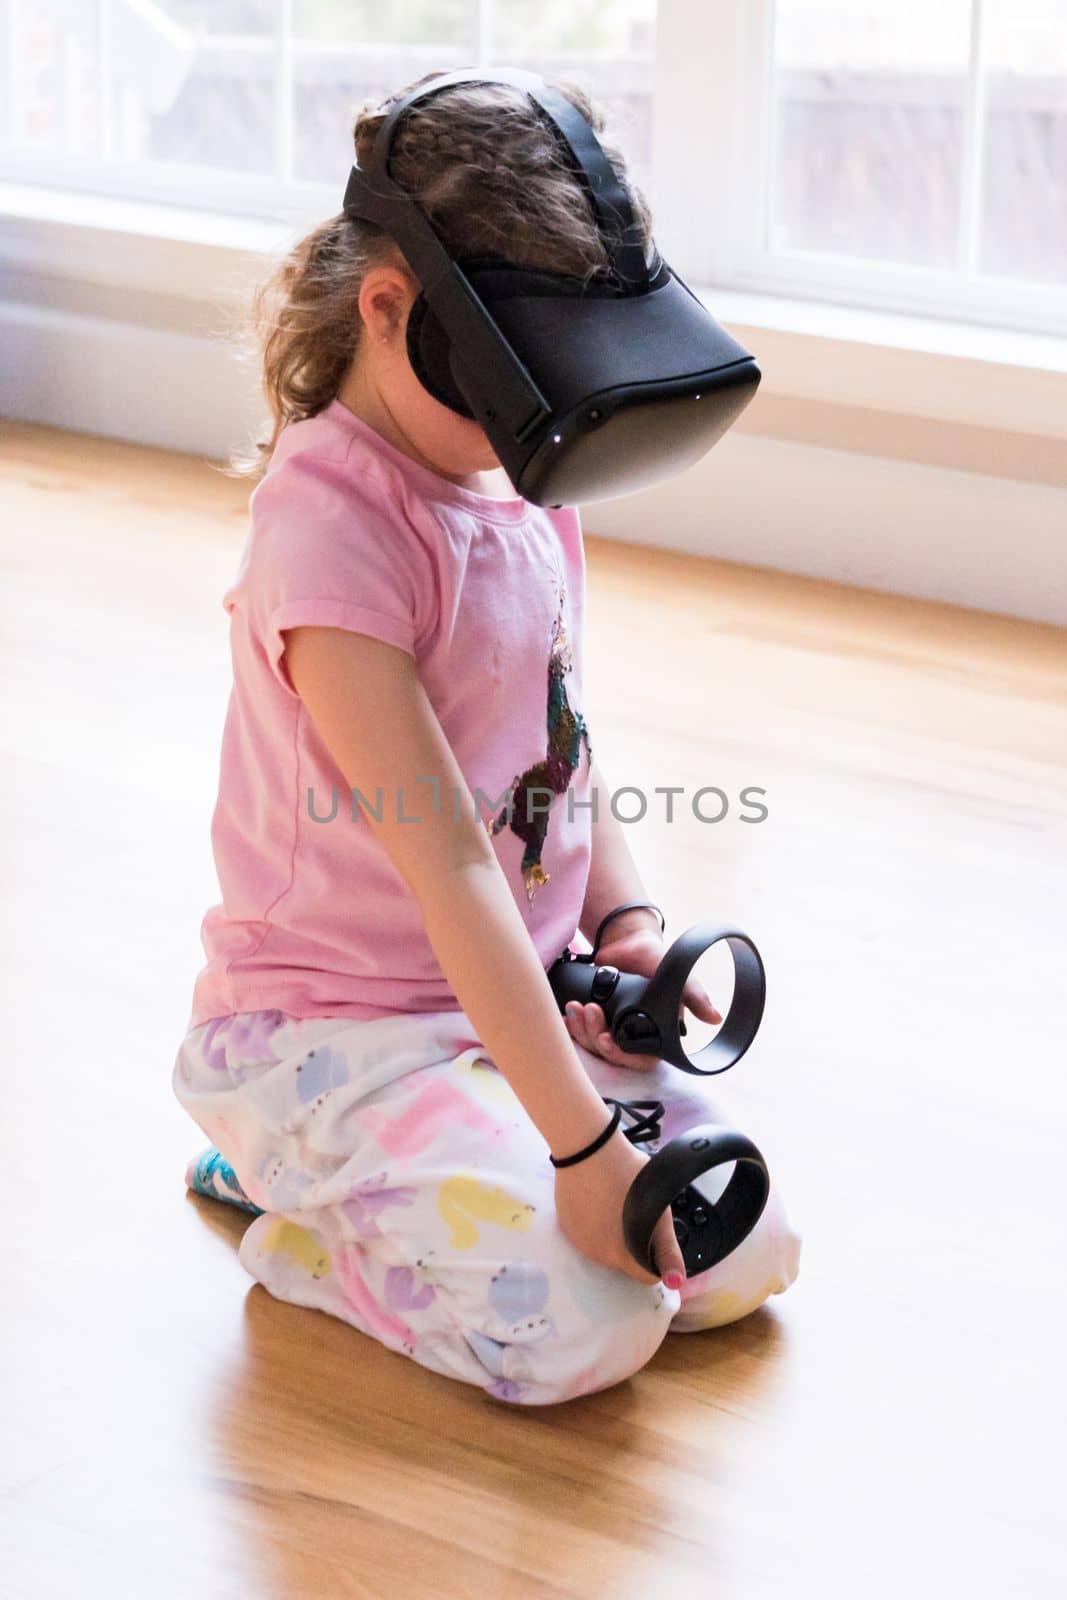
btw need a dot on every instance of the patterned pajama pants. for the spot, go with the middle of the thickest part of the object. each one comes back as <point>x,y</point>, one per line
<point>404,1188</point>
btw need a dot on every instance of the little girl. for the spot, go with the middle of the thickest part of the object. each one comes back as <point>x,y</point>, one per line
<point>374,1049</point>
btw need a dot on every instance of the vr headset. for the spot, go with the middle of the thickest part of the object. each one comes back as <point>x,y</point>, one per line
<point>586,391</point>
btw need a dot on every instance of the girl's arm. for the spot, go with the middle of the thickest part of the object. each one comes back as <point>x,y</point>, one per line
<point>371,709</point>
<point>613,875</point>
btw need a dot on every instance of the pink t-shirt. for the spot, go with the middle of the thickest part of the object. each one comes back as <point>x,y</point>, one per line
<point>488,596</point>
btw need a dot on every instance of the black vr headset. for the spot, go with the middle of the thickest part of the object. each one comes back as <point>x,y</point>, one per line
<point>585,391</point>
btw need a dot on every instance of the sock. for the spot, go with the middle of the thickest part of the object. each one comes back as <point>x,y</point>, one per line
<point>211,1174</point>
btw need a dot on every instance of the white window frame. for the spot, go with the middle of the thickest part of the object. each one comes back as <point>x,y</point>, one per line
<point>739,257</point>
<point>273,197</point>
<point>712,140</point>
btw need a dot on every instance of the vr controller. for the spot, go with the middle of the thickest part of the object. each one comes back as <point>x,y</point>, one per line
<point>644,1016</point>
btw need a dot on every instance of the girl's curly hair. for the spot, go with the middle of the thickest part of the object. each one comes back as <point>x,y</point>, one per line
<point>490,174</point>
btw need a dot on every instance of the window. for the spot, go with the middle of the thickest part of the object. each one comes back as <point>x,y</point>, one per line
<point>910,153</point>
<point>900,154</point>
<point>247,105</point>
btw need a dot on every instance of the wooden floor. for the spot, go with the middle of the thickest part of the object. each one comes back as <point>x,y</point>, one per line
<point>894,1424</point>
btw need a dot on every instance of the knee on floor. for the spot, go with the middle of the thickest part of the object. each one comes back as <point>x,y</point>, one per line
<point>764,1264</point>
<point>607,1337</point>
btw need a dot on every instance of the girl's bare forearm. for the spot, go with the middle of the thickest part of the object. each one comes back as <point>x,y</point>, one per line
<point>489,959</point>
<point>613,876</point>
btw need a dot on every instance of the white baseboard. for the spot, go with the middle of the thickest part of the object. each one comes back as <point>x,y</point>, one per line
<point>990,543</point>
<point>124,380</point>
<point>993,543</point>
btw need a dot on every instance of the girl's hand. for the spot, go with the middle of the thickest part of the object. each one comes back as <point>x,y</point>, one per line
<point>639,951</point>
<point>589,1202</point>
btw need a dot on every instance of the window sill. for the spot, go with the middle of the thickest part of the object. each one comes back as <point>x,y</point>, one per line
<point>40,208</point>
<point>921,388</point>
<point>933,391</point>
<point>890,330</point>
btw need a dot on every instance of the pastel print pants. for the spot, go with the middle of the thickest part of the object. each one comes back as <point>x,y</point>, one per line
<point>404,1188</point>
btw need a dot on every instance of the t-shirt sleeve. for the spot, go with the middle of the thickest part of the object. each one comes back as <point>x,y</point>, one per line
<point>331,549</point>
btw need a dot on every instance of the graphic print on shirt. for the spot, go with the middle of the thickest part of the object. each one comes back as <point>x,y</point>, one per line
<point>566,729</point>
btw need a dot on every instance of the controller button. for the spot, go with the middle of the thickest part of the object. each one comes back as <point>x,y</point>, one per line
<point>698,1216</point>
<point>699,1144</point>
<point>681,1231</point>
<point>604,982</point>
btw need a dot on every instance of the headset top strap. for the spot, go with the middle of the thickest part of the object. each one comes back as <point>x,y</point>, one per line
<point>610,202</point>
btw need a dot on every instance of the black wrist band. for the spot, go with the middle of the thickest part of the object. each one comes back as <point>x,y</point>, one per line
<point>631,905</point>
<point>568,1161</point>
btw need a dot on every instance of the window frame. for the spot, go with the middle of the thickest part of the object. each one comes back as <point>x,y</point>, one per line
<point>745,261</point>
<point>712,136</point>
<point>274,196</point>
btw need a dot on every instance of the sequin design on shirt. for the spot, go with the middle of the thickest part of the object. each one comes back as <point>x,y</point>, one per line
<point>566,730</point>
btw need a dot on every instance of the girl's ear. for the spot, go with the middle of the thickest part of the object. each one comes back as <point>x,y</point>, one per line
<point>385,298</point>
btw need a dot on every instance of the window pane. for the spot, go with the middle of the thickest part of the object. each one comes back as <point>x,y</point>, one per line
<point>222,16</point>
<point>365,22</point>
<point>183,94</point>
<point>1024,213</point>
<point>607,48</point>
<point>349,52</point>
<point>50,64</point>
<point>870,102</point>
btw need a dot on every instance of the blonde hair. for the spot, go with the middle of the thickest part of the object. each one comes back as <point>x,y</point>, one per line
<point>490,174</point>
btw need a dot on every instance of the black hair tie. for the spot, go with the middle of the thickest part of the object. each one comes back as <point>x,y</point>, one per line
<point>631,905</point>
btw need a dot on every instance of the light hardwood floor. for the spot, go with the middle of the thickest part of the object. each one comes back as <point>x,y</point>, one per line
<point>894,1424</point>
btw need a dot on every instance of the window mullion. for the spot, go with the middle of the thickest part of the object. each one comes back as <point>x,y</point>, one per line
<point>973,148</point>
<point>13,116</point>
<point>695,135</point>
<point>104,80</point>
<point>767,142</point>
<point>283,92</point>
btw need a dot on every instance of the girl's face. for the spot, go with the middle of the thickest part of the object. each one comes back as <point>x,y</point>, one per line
<point>381,387</point>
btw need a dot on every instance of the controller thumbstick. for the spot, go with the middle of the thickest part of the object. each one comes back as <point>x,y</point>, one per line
<point>635,1028</point>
